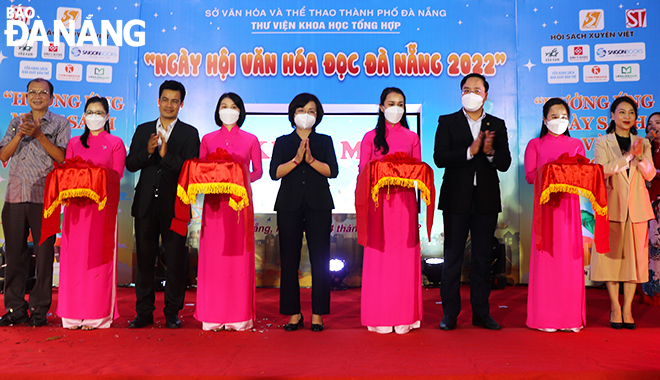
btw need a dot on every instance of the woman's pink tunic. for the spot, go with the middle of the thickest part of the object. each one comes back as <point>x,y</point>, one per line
<point>391,272</point>
<point>225,277</point>
<point>87,288</point>
<point>556,296</point>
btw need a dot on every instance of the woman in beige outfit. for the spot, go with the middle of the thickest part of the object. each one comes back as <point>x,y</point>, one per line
<point>627,163</point>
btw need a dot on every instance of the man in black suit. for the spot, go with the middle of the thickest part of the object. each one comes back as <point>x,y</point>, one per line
<point>472,146</point>
<point>159,149</point>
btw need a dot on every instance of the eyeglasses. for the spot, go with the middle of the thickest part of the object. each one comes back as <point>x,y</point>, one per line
<point>90,113</point>
<point>38,93</point>
<point>477,91</point>
<point>301,111</point>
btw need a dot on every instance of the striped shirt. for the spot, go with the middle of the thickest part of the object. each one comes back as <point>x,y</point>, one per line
<point>30,163</point>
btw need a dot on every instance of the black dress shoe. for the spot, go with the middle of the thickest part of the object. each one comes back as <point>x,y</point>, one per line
<point>172,322</point>
<point>317,327</point>
<point>38,320</point>
<point>486,322</point>
<point>14,318</point>
<point>295,326</point>
<point>140,322</point>
<point>629,326</point>
<point>448,323</point>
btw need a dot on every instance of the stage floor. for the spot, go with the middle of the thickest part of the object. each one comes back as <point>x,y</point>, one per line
<point>344,350</point>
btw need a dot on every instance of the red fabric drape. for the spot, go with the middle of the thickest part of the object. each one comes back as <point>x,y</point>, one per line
<point>78,178</point>
<point>218,174</point>
<point>398,169</point>
<point>575,175</point>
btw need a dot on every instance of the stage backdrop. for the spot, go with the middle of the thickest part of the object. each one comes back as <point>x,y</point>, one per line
<point>345,52</point>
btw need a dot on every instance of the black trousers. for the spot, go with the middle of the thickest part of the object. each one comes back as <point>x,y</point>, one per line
<point>317,227</point>
<point>482,229</point>
<point>148,230</point>
<point>18,219</point>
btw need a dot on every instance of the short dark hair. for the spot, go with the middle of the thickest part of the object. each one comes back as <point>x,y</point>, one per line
<point>300,101</point>
<point>106,107</point>
<point>621,99</point>
<point>50,85</point>
<point>239,103</point>
<point>174,86</point>
<point>475,75</point>
<point>546,109</point>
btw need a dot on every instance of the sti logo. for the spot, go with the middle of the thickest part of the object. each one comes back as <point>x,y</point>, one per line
<point>69,68</point>
<point>635,18</point>
<point>70,16</point>
<point>626,69</point>
<point>595,70</point>
<point>552,54</point>
<point>592,19</point>
<point>578,50</point>
<point>53,48</point>
<point>99,71</point>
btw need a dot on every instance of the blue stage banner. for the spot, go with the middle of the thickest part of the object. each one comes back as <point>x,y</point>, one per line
<point>588,53</point>
<point>346,53</point>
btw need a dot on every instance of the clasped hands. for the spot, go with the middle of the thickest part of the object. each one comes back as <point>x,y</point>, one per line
<point>29,126</point>
<point>483,142</point>
<point>304,153</point>
<point>153,144</point>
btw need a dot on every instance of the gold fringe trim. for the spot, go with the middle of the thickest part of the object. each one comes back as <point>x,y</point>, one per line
<point>64,196</point>
<point>217,188</point>
<point>564,188</point>
<point>181,193</point>
<point>403,182</point>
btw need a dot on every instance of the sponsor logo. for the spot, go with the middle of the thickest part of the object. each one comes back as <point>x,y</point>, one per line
<point>34,69</point>
<point>635,18</point>
<point>99,74</point>
<point>596,73</point>
<point>25,51</point>
<point>552,54</point>
<point>72,72</point>
<point>626,72</point>
<point>635,51</point>
<point>563,74</point>
<point>90,53</point>
<point>53,51</point>
<point>70,16</point>
<point>578,53</point>
<point>592,19</point>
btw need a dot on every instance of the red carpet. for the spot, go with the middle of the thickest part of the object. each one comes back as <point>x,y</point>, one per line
<point>345,349</point>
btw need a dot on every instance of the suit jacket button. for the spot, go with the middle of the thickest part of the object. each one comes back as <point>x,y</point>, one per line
<point>303,182</point>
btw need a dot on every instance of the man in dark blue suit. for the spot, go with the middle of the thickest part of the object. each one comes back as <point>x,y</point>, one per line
<point>472,146</point>
<point>158,150</point>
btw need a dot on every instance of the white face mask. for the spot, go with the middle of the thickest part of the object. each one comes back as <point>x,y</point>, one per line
<point>393,114</point>
<point>228,116</point>
<point>557,126</point>
<point>472,102</point>
<point>95,122</point>
<point>304,120</point>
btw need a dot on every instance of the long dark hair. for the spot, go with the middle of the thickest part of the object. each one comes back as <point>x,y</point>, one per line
<point>239,103</point>
<point>649,120</point>
<point>379,141</point>
<point>619,100</point>
<point>546,109</point>
<point>104,103</point>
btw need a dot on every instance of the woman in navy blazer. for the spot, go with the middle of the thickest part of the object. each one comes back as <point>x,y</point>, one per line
<point>304,160</point>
